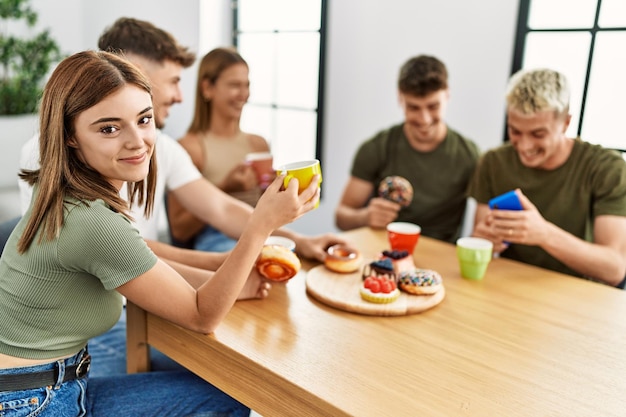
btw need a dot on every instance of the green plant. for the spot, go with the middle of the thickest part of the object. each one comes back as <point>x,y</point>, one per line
<point>24,62</point>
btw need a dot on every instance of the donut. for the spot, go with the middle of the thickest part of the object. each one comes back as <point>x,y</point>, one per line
<point>419,281</point>
<point>277,263</point>
<point>379,289</point>
<point>343,259</point>
<point>397,189</point>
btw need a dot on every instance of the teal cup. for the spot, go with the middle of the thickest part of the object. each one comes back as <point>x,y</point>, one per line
<point>474,255</point>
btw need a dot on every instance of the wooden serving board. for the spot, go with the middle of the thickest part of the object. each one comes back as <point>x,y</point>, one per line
<point>341,291</point>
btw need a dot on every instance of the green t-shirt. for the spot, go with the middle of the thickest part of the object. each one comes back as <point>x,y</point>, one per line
<point>592,182</point>
<point>439,178</point>
<point>60,293</point>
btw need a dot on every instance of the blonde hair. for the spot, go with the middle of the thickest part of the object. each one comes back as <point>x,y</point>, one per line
<point>537,90</point>
<point>78,83</point>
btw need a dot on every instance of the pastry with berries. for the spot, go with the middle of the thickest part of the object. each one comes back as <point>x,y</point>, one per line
<point>379,290</point>
<point>401,260</point>
<point>379,268</point>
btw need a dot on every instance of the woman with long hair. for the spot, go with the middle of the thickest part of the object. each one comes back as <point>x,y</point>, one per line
<point>74,255</point>
<point>218,146</point>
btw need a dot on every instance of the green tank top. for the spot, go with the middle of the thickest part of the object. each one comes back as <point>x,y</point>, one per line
<point>60,293</point>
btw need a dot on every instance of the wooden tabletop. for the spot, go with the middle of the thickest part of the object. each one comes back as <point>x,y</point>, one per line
<point>522,342</point>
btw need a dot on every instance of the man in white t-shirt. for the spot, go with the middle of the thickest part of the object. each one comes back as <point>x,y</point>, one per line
<point>162,59</point>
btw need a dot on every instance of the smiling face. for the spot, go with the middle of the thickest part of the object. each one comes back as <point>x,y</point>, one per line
<point>539,138</point>
<point>116,136</point>
<point>230,92</point>
<point>424,123</point>
<point>165,80</point>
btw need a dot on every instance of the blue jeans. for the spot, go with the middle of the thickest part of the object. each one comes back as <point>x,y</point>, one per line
<point>212,240</point>
<point>145,394</point>
<point>61,399</point>
<point>5,231</point>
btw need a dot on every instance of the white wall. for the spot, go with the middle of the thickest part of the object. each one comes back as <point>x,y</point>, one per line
<point>78,24</point>
<point>199,24</point>
<point>368,41</point>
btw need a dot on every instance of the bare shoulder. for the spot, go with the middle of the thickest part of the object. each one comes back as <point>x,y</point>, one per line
<point>258,143</point>
<point>189,139</point>
<point>192,144</point>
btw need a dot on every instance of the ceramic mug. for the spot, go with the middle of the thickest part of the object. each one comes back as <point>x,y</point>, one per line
<point>281,241</point>
<point>303,171</point>
<point>403,236</point>
<point>262,164</point>
<point>474,255</point>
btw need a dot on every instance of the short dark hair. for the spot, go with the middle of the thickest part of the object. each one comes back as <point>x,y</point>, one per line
<point>422,75</point>
<point>133,36</point>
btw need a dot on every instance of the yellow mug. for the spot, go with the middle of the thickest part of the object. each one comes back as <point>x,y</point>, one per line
<point>303,171</point>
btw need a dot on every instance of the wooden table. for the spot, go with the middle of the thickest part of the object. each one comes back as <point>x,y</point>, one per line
<point>522,342</point>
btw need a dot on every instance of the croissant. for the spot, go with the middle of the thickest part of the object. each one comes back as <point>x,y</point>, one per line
<point>277,263</point>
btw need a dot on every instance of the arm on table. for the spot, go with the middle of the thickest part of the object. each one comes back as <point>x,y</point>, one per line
<point>164,292</point>
<point>255,287</point>
<point>198,259</point>
<point>603,259</point>
<point>229,215</point>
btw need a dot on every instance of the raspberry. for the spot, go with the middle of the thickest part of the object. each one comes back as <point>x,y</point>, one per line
<point>375,286</point>
<point>385,286</point>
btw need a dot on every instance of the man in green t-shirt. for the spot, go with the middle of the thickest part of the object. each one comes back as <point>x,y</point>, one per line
<point>436,160</point>
<point>572,193</point>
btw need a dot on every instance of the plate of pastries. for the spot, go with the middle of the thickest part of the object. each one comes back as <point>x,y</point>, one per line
<point>389,285</point>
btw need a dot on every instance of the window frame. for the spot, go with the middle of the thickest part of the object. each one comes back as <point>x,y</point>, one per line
<point>319,142</point>
<point>523,30</point>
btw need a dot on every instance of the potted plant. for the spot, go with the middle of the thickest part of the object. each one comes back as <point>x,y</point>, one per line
<point>24,62</point>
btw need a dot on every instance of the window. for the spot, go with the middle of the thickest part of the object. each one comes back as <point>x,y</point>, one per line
<point>582,39</point>
<point>283,43</point>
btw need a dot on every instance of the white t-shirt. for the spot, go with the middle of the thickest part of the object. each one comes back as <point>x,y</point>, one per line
<point>174,169</point>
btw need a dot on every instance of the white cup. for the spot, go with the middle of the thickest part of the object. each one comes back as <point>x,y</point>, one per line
<point>281,241</point>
